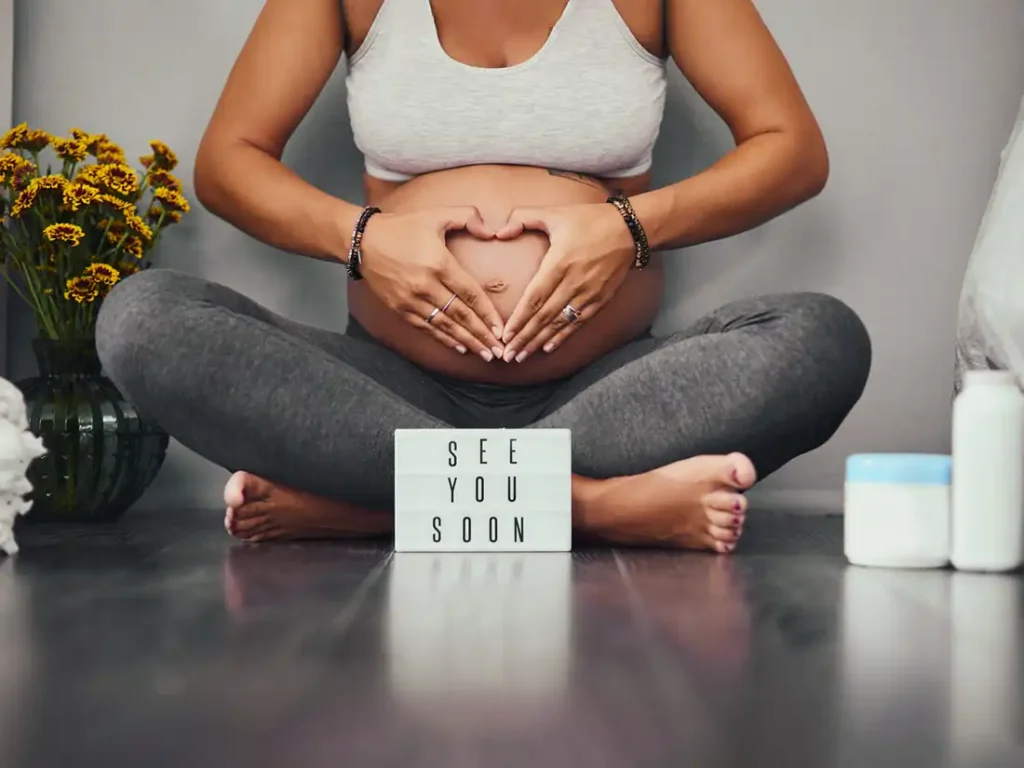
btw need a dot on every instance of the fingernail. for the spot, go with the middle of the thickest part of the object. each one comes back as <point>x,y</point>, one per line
<point>522,356</point>
<point>497,351</point>
<point>549,346</point>
<point>486,355</point>
<point>510,355</point>
<point>496,331</point>
<point>460,349</point>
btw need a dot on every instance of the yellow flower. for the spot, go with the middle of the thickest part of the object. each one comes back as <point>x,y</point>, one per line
<point>103,273</point>
<point>173,217</point>
<point>116,202</point>
<point>24,202</point>
<point>91,174</point>
<point>171,199</point>
<point>10,162</point>
<point>161,178</point>
<point>147,160</point>
<point>154,213</point>
<point>92,140</point>
<point>23,137</point>
<point>115,231</point>
<point>76,195</point>
<point>81,289</point>
<point>127,268</point>
<point>120,178</point>
<point>53,182</point>
<point>133,246</point>
<point>64,233</point>
<point>164,158</point>
<point>14,138</point>
<point>71,149</point>
<point>138,226</point>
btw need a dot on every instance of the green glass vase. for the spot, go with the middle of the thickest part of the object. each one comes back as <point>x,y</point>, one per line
<point>100,454</point>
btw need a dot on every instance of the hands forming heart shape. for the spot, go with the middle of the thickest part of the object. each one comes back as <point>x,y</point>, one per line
<point>407,264</point>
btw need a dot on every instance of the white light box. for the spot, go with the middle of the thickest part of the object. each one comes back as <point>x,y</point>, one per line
<point>483,490</point>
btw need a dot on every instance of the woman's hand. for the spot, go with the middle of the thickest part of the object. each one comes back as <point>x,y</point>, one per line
<point>590,255</point>
<point>407,264</point>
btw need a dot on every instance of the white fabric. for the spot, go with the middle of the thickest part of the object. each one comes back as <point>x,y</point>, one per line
<point>990,333</point>
<point>18,447</point>
<point>590,101</point>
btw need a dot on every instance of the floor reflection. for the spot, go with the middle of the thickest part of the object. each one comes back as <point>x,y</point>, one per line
<point>16,658</point>
<point>987,701</point>
<point>932,666</point>
<point>479,638</point>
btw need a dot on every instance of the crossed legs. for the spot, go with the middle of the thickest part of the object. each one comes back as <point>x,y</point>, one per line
<point>667,433</point>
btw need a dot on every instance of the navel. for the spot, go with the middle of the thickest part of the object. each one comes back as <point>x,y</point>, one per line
<point>495,286</point>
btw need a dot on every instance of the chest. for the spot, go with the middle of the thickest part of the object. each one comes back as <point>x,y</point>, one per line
<point>501,33</point>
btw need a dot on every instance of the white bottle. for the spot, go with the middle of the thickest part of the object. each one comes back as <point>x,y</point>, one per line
<point>988,473</point>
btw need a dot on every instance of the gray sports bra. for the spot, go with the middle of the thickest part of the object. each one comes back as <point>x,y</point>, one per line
<point>590,101</point>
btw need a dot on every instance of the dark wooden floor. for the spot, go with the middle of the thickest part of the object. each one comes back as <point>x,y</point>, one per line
<point>160,643</point>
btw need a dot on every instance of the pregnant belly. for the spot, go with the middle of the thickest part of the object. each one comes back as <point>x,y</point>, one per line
<point>504,269</point>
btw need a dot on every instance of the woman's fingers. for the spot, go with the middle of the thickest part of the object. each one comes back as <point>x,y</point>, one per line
<point>561,328</point>
<point>445,324</point>
<point>420,322</point>
<point>523,324</point>
<point>476,312</point>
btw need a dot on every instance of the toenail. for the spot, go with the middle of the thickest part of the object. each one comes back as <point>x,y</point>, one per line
<point>737,504</point>
<point>737,521</point>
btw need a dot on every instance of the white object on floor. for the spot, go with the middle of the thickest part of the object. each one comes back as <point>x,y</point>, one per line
<point>483,490</point>
<point>18,447</point>
<point>896,510</point>
<point>988,473</point>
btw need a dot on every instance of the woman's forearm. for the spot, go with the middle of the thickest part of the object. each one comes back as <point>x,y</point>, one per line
<point>762,178</point>
<point>254,191</point>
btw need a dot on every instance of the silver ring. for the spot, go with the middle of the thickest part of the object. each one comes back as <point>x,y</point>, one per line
<point>445,307</point>
<point>571,314</point>
<point>432,315</point>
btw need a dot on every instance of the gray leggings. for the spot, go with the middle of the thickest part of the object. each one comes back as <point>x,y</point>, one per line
<point>772,377</point>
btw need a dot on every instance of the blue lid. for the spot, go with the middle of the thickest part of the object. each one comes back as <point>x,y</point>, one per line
<point>910,468</point>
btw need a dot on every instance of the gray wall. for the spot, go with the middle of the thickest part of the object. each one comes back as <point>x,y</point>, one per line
<point>6,87</point>
<point>916,97</point>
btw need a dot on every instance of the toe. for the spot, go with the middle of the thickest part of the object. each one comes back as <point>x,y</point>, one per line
<point>250,525</point>
<point>722,534</point>
<point>234,491</point>
<point>726,501</point>
<point>229,519</point>
<point>244,488</point>
<point>742,474</point>
<point>727,520</point>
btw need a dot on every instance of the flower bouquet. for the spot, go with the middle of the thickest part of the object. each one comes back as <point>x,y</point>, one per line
<point>76,219</point>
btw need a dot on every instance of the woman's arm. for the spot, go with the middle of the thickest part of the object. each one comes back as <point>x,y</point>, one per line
<point>289,56</point>
<point>727,53</point>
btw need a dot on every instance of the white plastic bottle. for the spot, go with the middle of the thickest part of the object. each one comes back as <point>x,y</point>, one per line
<point>988,473</point>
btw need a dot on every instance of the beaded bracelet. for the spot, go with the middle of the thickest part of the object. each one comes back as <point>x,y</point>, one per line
<point>355,252</point>
<point>636,229</point>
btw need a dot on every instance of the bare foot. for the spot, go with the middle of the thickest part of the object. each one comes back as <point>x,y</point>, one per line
<point>258,510</point>
<point>696,503</point>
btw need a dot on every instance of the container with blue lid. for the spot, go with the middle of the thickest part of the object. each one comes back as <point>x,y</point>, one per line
<point>897,510</point>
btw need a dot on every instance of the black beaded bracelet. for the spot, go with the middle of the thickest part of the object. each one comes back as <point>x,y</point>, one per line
<point>355,252</point>
<point>636,229</point>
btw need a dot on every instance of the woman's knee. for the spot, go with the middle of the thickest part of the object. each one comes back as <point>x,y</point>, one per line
<point>835,335</point>
<point>133,317</point>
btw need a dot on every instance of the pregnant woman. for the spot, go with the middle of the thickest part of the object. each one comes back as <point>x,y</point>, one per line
<point>504,271</point>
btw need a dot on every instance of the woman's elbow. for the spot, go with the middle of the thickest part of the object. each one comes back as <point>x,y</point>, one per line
<point>814,164</point>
